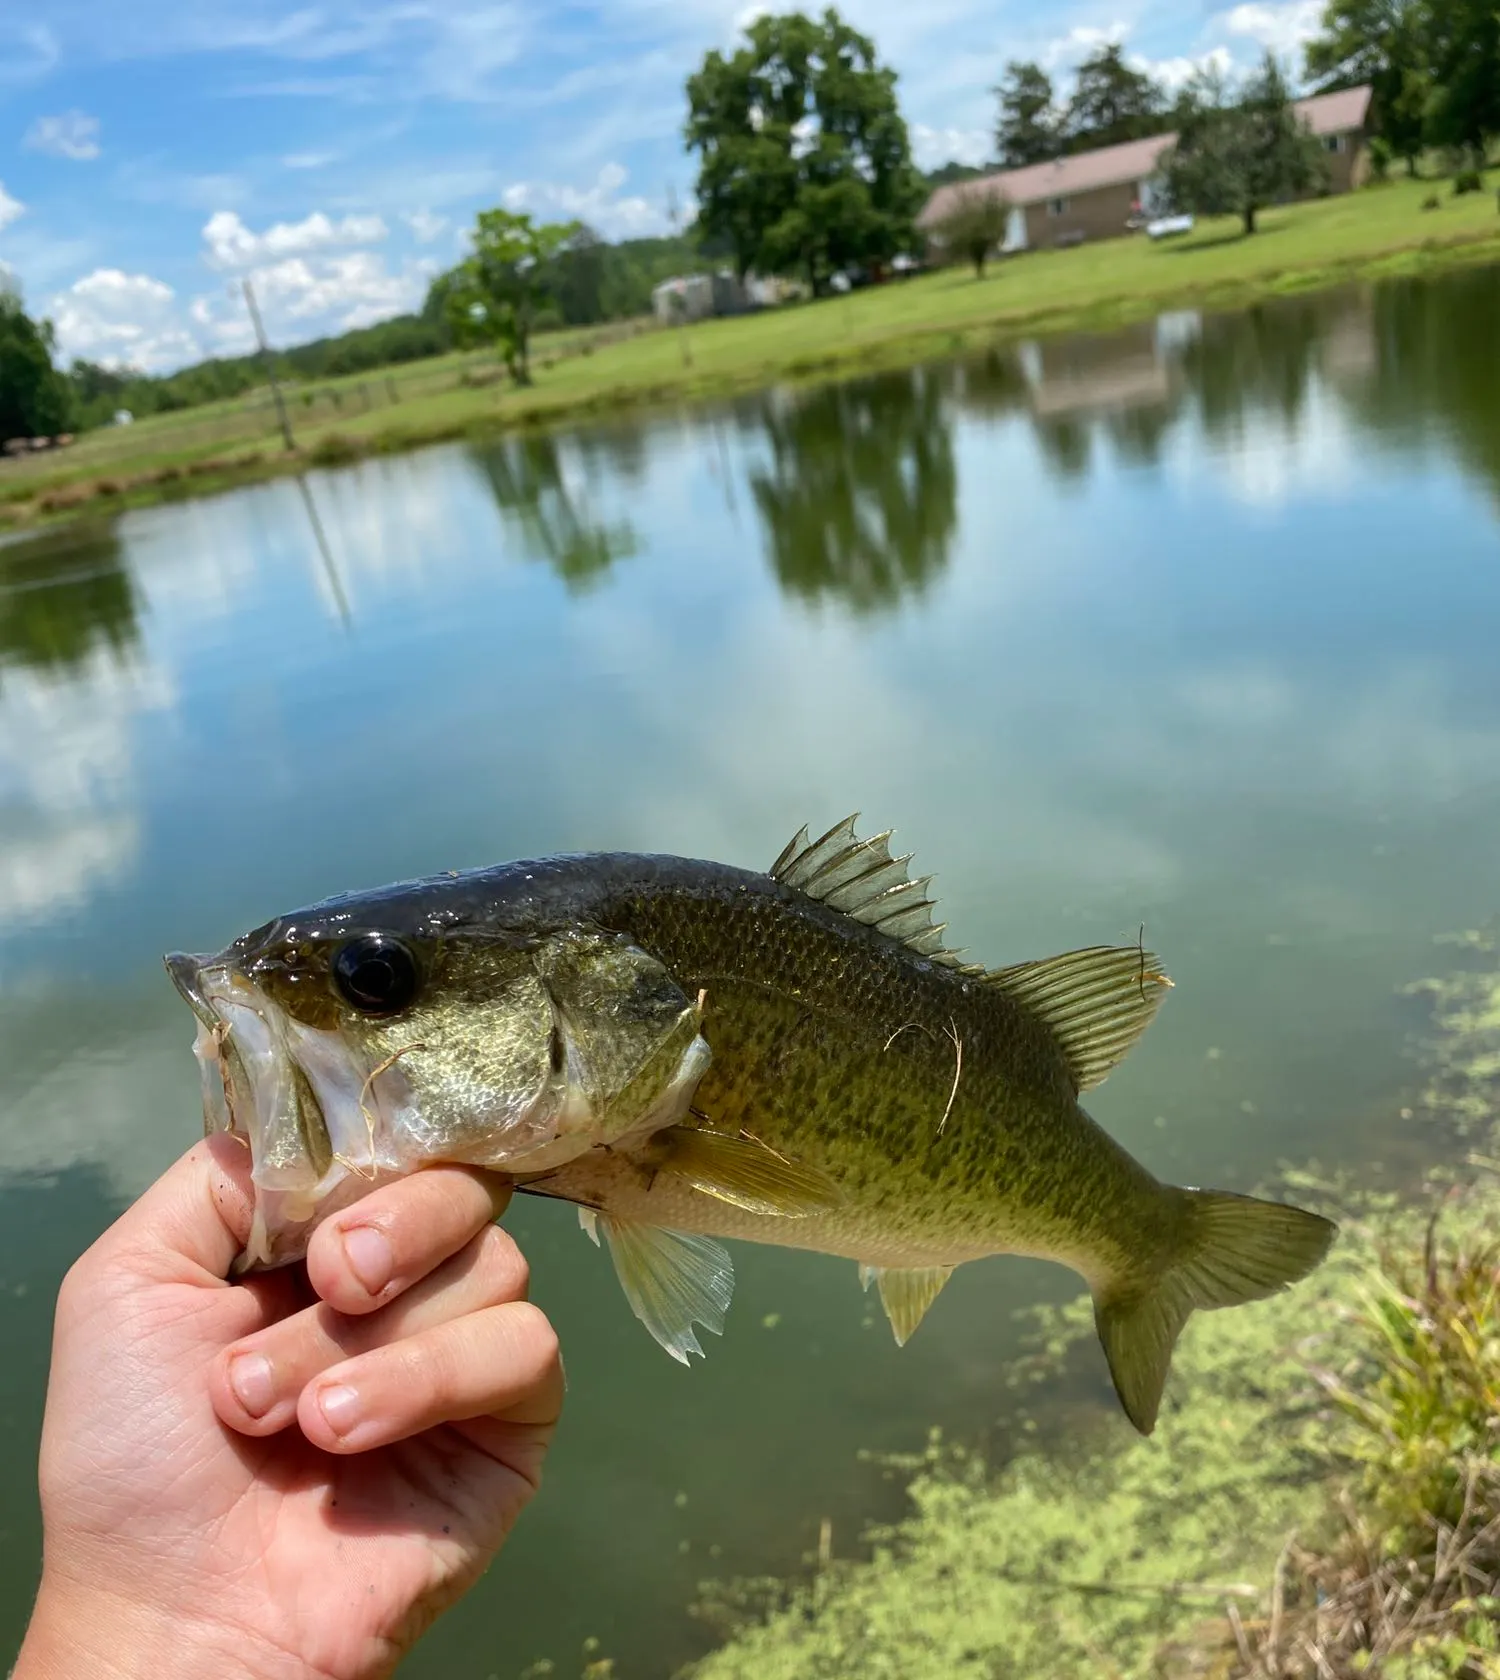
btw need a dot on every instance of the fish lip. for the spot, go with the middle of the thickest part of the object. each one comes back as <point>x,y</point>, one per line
<point>187,976</point>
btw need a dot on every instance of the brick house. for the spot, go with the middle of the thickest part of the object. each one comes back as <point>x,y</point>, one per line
<point>1094,195</point>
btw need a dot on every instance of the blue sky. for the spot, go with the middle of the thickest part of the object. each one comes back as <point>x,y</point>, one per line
<point>153,153</point>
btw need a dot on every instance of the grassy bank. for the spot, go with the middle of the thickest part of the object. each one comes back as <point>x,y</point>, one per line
<point>1322,1498</point>
<point>1377,232</point>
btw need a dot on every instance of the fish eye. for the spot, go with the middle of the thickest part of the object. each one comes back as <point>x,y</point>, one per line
<point>376,974</point>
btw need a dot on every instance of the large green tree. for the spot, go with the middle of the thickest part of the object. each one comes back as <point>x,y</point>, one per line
<point>1382,43</point>
<point>494,295</point>
<point>1236,154</point>
<point>1029,129</point>
<point>1112,102</point>
<point>1464,43</point>
<point>804,158</point>
<point>34,396</point>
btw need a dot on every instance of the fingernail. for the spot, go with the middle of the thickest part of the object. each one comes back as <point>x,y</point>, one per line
<point>369,1256</point>
<point>254,1387</point>
<point>340,1408</point>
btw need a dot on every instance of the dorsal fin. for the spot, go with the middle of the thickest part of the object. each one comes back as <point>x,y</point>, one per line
<point>1097,1003</point>
<point>861,878</point>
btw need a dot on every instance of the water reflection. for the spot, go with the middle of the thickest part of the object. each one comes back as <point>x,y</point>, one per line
<point>860,501</point>
<point>61,597</point>
<point>549,506</point>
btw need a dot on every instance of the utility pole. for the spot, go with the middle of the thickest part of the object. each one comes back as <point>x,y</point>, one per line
<point>681,309</point>
<point>265,356</point>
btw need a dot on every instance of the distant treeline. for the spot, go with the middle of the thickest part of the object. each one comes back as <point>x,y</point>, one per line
<point>595,282</point>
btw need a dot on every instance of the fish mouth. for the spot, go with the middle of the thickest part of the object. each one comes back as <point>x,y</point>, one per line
<point>320,1131</point>
<point>187,977</point>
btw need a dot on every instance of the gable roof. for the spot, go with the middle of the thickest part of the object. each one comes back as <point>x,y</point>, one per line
<point>1134,160</point>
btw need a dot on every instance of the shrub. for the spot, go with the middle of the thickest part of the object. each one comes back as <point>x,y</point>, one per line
<point>1467,181</point>
<point>334,449</point>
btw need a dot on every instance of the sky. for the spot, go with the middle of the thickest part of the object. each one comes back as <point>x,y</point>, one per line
<point>154,154</point>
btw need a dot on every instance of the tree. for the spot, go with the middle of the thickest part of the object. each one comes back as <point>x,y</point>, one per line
<point>974,223</point>
<point>1382,43</point>
<point>1029,130</point>
<point>34,397</point>
<point>1112,102</point>
<point>804,158</point>
<point>1464,111</point>
<point>1235,156</point>
<point>494,295</point>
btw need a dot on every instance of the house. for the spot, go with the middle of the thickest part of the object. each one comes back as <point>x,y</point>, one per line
<point>1101,194</point>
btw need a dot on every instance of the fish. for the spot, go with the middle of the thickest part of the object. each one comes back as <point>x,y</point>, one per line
<point>689,1051</point>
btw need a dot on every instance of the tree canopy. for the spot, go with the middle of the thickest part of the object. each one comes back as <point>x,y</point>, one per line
<point>1113,103</point>
<point>1029,129</point>
<point>1235,154</point>
<point>494,295</point>
<point>33,395</point>
<point>1434,66</point>
<point>804,158</point>
<point>1381,43</point>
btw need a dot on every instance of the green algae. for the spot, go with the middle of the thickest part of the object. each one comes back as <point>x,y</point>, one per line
<point>1336,1410</point>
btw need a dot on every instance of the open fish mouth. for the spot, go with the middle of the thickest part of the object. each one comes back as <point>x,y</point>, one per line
<point>321,1131</point>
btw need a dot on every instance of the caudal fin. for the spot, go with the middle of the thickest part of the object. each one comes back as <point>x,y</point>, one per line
<point>1234,1249</point>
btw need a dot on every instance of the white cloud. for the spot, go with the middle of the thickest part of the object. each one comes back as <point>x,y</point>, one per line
<point>1283,27</point>
<point>308,160</point>
<point>309,297</point>
<point>1174,74</point>
<point>71,135</point>
<point>427,225</point>
<point>600,205</point>
<point>10,207</point>
<point>933,147</point>
<point>231,245</point>
<point>123,320</point>
<point>1065,52</point>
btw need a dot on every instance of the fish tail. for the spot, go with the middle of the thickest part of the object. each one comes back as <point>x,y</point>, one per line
<point>1232,1249</point>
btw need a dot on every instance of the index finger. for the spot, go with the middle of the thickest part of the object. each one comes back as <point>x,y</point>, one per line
<point>366,1254</point>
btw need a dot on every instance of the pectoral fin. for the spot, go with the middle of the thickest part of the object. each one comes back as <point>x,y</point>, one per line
<point>744,1173</point>
<point>906,1292</point>
<point>672,1282</point>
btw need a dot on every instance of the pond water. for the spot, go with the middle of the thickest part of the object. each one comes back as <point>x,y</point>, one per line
<point>1192,626</point>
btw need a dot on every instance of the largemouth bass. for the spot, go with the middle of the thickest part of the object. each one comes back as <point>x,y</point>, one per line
<point>689,1051</point>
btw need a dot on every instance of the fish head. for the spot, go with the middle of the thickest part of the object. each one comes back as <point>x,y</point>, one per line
<point>353,1045</point>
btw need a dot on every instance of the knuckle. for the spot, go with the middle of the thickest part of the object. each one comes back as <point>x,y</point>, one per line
<point>533,1342</point>
<point>507,1272</point>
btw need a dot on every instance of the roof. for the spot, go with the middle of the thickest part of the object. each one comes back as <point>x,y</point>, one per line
<point>1135,160</point>
<point>1335,113</point>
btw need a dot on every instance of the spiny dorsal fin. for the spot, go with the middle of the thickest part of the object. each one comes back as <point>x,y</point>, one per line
<point>672,1281</point>
<point>745,1173</point>
<point>861,878</point>
<point>906,1292</point>
<point>1097,1003</point>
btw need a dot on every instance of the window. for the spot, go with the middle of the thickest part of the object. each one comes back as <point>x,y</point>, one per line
<point>1057,207</point>
<point>1333,143</point>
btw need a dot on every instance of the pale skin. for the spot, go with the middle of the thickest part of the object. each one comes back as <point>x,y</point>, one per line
<point>292,1476</point>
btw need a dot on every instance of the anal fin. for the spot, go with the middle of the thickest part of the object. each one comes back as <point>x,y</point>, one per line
<point>906,1292</point>
<point>672,1282</point>
<point>744,1173</point>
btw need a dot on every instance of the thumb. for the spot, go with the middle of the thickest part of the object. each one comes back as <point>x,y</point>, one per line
<point>193,1222</point>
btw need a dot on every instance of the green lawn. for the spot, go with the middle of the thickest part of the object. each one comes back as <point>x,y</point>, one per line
<point>1381,230</point>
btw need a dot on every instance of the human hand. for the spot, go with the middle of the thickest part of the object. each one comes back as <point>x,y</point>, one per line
<point>290,1475</point>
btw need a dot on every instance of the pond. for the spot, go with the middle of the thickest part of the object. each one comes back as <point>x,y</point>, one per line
<point>1193,626</point>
